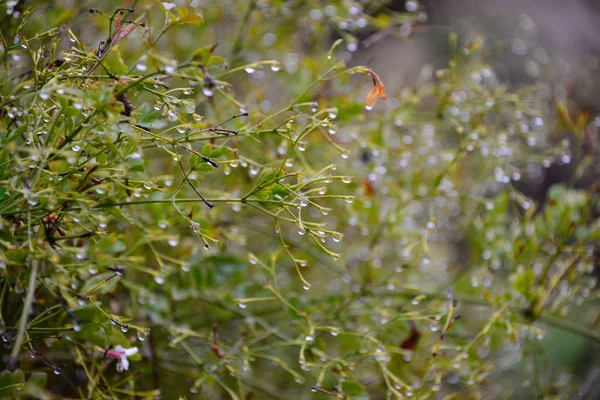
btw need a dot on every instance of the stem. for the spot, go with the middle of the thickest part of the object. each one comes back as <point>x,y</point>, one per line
<point>12,363</point>
<point>237,46</point>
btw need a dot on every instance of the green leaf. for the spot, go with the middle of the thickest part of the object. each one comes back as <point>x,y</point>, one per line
<point>70,111</point>
<point>221,153</point>
<point>5,381</point>
<point>118,213</point>
<point>149,115</point>
<point>14,134</point>
<point>353,388</point>
<point>103,334</point>
<point>106,287</point>
<point>206,150</point>
<point>112,244</point>
<point>199,165</point>
<point>188,106</point>
<point>216,60</point>
<point>36,384</point>
<point>185,16</point>
<point>523,280</point>
<point>203,54</point>
<point>589,233</point>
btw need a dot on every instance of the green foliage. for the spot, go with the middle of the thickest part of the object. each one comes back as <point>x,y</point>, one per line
<point>181,217</point>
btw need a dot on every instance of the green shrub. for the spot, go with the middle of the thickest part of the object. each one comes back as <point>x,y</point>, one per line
<point>179,216</point>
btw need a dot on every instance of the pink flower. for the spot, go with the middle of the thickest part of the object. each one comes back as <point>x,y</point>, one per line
<point>121,354</point>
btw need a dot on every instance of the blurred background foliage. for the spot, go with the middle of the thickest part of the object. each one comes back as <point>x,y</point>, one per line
<point>196,202</point>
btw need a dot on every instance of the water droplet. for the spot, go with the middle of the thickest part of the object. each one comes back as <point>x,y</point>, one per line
<point>242,305</point>
<point>347,179</point>
<point>141,335</point>
<point>306,286</point>
<point>349,199</point>
<point>32,199</point>
<point>159,279</point>
<point>250,70</point>
<point>208,92</point>
<point>309,338</point>
<point>410,6</point>
<point>301,230</point>
<point>124,328</point>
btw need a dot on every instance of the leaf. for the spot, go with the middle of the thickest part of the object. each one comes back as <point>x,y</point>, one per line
<point>199,165</point>
<point>410,343</point>
<point>206,150</point>
<point>118,213</point>
<point>523,280</point>
<point>221,153</point>
<point>269,175</point>
<point>14,134</point>
<point>103,334</point>
<point>203,54</point>
<point>353,388</point>
<point>188,106</point>
<point>186,16</point>
<point>106,287</point>
<point>5,381</point>
<point>36,384</point>
<point>148,116</point>
<point>70,111</point>
<point>214,60</point>
<point>589,233</point>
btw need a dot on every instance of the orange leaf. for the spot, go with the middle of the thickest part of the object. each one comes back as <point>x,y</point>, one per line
<point>372,97</point>
<point>377,91</point>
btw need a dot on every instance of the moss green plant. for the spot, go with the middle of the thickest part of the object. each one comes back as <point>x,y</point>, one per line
<point>195,202</point>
